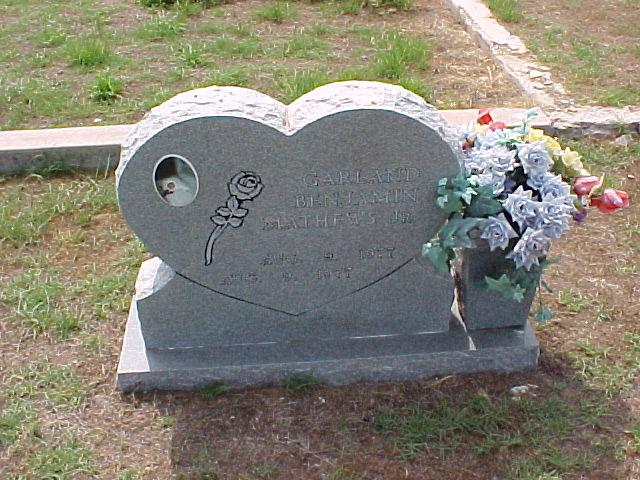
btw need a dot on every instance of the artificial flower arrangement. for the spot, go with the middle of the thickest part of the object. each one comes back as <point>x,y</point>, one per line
<point>520,191</point>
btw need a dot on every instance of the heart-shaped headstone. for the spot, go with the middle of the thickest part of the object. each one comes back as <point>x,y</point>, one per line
<point>289,208</point>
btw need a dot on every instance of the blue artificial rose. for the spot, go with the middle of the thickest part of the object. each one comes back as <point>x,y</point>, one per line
<point>497,231</point>
<point>522,208</point>
<point>496,180</point>
<point>555,214</point>
<point>534,158</point>
<point>533,244</point>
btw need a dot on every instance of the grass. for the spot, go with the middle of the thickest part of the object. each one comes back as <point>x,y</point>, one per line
<point>83,64</point>
<point>574,301</point>
<point>490,426</point>
<point>606,155</point>
<point>213,390</point>
<point>305,46</point>
<point>610,370</point>
<point>17,418</point>
<point>276,12</point>
<point>398,54</point>
<point>68,459</point>
<point>576,43</point>
<point>41,381</point>
<point>506,10</point>
<point>87,52</point>
<point>298,382</point>
<point>162,27</point>
<point>301,82</point>
<point>106,88</point>
<point>49,37</point>
<point>192,57</point>
<point>620,96</point>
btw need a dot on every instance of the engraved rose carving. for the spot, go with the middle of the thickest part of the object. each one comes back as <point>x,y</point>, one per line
<point>245,186</point>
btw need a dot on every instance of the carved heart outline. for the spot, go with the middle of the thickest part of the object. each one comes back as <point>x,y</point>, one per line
<point>250,105</point>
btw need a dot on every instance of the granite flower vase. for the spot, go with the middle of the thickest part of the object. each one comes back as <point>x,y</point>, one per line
<point>483,308</point>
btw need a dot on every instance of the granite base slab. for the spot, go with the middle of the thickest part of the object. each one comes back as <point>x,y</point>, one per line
<point>383,358</point>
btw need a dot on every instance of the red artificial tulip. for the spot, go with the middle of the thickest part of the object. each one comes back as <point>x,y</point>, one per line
<point>611,200</point>
<point>584,185</point>
<point>497,125</point>
<point>484,116</point>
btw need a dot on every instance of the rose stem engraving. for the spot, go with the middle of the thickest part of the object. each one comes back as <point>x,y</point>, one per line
<point>243,187</point>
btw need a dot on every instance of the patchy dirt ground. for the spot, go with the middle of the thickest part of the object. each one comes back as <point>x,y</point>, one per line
<point>593,46</point>
<point>130,58</point>
<point>580,419</point>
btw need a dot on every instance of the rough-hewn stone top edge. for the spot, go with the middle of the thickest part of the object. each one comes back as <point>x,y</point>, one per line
<point>253,105</point>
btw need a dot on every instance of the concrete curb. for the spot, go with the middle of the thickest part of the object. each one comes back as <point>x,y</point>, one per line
<point>508,52</point>
<point>84,148</point>
<point>98,148</point>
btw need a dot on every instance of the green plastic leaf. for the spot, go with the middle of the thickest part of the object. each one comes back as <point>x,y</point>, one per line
<point>449,203</point>
<point>455,233</point>
<point>542,315</point>
<point>506,287</point>
<point>438,256</point>
<point>483,206</point>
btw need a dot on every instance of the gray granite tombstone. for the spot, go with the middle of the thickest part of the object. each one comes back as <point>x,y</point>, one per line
<point>288,239</point>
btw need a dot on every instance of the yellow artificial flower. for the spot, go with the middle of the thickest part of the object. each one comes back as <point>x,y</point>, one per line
<point>572,162</point>
<point>552,145</point>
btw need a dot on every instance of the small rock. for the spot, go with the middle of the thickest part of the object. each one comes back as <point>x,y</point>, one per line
<point>548,82</point>
<point>543,68</point>
<point>538,85</point>
<point>97,120</point>
<point>520,391</point>
<point>536,74</point>
<point>623,140</point>
<point>631,177</point>
<point>572,109</point>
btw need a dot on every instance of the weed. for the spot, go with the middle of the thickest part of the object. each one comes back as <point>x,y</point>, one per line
<point>322,30</point>
<point>106,88</point>
<point>237,76</point>
<point>166,422</point>
<point>573,300</point>
<point>400,53</point>
<point>87,52</point>
<point>49,36</point>
<point>213,390</point>
<point>192,56</point>
<point>228,47</point>
<point>65,460</point>
<point>276,11</point>
<point>554,36</point>
<point>298,382</point>
<point>45,167</point>
<point>301,82</point>
<point>160,28</point>
<point>305,46</point>
<point>506,10</point>
<point>418,87</point>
